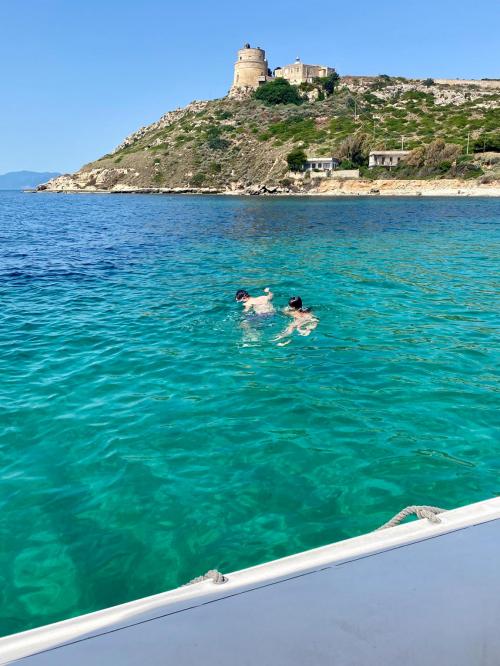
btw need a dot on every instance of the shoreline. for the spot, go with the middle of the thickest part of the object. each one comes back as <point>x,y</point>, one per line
<point>381,191</point>
<point>326,188</point>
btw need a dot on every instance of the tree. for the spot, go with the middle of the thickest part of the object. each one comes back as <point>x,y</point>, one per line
<point>278,91</point>
<point>434,155</point>
<point>487,142</point>
<point>330,82</point>
<point>428,83</point>
<point>296,159</point>
<point>355,148</point>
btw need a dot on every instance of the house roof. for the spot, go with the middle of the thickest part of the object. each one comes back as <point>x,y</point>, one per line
<point>390,152</point>
<point>320,159</point>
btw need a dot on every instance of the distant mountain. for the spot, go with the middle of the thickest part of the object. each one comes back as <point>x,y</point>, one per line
<point>19,180</point>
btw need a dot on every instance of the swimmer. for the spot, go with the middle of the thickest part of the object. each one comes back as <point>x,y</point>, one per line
<point>260,305</point>
<point>303,320</point>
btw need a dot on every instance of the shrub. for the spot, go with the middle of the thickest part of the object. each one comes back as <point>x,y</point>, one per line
<point>278,91</point>
<point>216,143</point>
<point>197,180</point>
<point>444,166</point>
<point>213,138</point>
<point>487,143</point>
<point>433,155</point>
<point>467,170</point>
<point>296,159</point>
<point>429,82</point>
<point>214,167</point>
<point>346,164</point>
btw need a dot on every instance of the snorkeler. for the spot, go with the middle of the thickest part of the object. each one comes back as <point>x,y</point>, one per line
<point>261,305</point>
<point>303,320</point>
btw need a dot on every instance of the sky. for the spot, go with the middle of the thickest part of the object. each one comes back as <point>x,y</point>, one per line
<point>77,77</point>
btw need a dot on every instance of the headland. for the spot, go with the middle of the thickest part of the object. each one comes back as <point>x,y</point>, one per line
<point>303,129</point>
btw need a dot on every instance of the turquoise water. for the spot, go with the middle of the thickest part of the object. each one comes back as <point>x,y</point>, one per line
<point>146,437</point>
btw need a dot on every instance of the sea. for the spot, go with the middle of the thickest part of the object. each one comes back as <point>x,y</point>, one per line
<point>149,431</point>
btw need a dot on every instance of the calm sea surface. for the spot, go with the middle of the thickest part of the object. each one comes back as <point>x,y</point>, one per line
<point>146,436</point>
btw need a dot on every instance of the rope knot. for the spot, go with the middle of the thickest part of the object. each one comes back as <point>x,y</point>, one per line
<point>429,512</point>
<point>216,576</point>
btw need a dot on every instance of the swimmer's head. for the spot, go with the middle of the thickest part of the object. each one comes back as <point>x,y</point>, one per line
<point>295,303</point>
<point>241,295</point>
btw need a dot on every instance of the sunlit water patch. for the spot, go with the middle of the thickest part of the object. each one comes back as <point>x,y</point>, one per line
<point>147,436</point>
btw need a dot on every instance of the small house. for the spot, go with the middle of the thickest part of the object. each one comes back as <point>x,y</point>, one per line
<point>321,164</point>
<point>386,158</point>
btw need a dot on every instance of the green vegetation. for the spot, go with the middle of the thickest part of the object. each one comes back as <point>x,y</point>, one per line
<point>214,167</point>
<point>328,83</point>
<point>355,149</point>
<point>216,143</point>
<point>436,156</point>
<point>214,139</point>
<point>278,91</point>
<point>232,142</point>
<point>197,180</point>
<point>296,159</point>
<point>487,143</point>
<point>296,129</point>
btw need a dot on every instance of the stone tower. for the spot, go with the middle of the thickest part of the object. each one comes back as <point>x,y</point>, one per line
<point>251,69</point>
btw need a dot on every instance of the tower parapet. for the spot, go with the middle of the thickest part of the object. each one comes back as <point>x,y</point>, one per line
<point>250,69</point>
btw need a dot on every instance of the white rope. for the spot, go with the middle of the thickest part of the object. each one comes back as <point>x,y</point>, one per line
<point>429,512</point>
<point>212,575</point>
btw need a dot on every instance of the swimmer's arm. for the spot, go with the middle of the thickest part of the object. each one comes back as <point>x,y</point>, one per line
<point>269,294</point>
<point>288,331</point>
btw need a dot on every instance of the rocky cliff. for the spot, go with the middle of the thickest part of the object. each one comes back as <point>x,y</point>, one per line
<point>240,145</point>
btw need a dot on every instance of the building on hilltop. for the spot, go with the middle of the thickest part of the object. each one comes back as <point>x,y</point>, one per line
<point>301,73</point>
<point>250,69</point>
<point>386,158</point>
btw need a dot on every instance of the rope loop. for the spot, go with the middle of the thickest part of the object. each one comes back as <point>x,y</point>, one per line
<point>429,512</point>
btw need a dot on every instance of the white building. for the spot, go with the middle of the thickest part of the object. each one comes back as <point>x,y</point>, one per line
<point>386,158</point>
<point>321,164</point>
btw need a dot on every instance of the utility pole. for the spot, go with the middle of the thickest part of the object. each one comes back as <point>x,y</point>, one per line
<point>402,143</point>
<point>468,142</point>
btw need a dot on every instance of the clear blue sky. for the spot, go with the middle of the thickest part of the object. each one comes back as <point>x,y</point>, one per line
<point>76,77</point>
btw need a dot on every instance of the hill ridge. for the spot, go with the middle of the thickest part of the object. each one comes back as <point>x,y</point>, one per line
<point>233,145</point>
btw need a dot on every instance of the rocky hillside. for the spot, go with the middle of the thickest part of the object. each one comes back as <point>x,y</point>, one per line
<point>240,145</point>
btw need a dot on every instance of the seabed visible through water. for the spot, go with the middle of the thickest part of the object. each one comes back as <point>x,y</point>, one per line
<point>144,439</point>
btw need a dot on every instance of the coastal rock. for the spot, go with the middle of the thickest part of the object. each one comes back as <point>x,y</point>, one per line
<point>238,145</point>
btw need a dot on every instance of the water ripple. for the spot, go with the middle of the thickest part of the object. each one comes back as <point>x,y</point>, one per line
<point>145,437</point>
